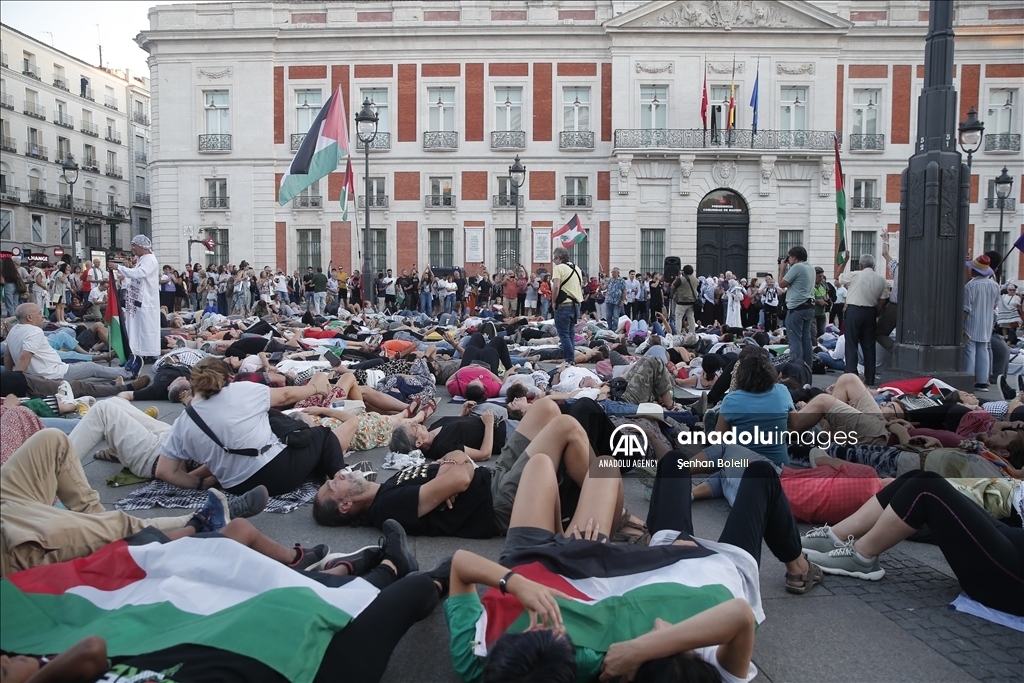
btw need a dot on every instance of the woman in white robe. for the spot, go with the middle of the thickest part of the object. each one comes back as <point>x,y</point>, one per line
<point>735,295</point>
<point>142,299</point>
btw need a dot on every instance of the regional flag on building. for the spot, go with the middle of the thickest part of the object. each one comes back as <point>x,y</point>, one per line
<point>321,152</point>
<point>144,594</point>
<point>571,233</point>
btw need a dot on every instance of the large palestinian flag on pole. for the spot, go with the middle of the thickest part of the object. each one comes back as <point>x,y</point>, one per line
<point>321,151</point>
<point>618,591</point>
<point>144,594</point>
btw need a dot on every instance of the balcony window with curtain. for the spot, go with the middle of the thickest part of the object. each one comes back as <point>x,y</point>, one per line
<point>576,109</point>
<point>218,112</point>
<point>307,107</point>
<point>441,102</point>
<point>653,107</point>
<point>508,109</point>
<point>793,109</point>
<point>441,192</point>
<point>864,109</point>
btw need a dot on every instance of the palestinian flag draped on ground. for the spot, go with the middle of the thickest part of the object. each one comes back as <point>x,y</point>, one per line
<point>322,150</point>
<point>571,233</point>
<point>144,594</point>
<point>619,591</point>
<point>840,209</point>
<point>117,332</point>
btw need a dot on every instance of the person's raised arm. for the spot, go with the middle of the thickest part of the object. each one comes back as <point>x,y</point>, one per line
<point>487,445</point>
<point>454,476</point>
<point>285,396</point>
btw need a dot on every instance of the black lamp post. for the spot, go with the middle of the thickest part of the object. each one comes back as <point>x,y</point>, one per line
<point>70,176</point>
<point>517,176</point>
<point>366,130</point>
<point>970,134</point>
<point>1003,183</point>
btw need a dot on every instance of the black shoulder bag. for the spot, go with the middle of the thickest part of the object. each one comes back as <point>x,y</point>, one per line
<point>289,431</point>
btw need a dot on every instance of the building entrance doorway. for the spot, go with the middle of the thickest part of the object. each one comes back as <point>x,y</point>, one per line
<point>723,233</point>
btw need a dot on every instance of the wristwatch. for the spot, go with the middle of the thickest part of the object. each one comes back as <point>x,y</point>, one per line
<point>503,584</point>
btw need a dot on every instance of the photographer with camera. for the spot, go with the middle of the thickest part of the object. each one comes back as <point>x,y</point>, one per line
<point>797,277</point>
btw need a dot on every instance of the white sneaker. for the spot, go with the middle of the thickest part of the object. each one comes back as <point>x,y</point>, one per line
<point>64,393</point>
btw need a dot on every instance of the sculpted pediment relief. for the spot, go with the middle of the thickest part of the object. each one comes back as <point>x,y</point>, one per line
<point>727,15</point>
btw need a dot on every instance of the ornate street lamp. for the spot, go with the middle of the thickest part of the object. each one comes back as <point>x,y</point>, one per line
<point>517,176</point>
<point>70,176</point>
<point>366,130</point>
<point>971,132</point>
<point>1003,183</point>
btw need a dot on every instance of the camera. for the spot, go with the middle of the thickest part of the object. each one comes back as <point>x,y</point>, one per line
<point>783,258</point>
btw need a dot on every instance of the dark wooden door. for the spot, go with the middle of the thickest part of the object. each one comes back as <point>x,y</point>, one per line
<point>722,244</point>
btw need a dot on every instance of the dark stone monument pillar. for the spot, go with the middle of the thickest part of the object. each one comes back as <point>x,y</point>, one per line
<point>934,214</point>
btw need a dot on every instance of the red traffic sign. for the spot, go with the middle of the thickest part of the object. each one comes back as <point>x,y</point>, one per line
<point>209,243</point>
<point>58,252</point>
<point>16,251</point>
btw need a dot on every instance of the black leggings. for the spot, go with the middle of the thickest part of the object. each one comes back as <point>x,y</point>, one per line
<point>490,352</point>
<point>293,466</point>
<point>761,510</point>
<point>945,417</point>
<point>368,364</point>
<point>260,328</point>
<point>986,555</point>
<point>594,421</point>
<point>360,652</point>
<point>157,389</point>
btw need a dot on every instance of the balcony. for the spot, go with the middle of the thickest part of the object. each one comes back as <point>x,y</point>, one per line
<point>36,111</point>
<point>507,201</point>
<point>89,206</point>
<point>1002,142</point>
<point>64,119</point>
<point>992,204</point>
<point>698,138</point>
<point>439,201</point>
<point>3,60</point>
<point>60,82</point>
<point>142,198</point>
<point>377,201</point>
<point>117,211</point>
<point>508,139</point>
<point>113,171</point>
<point>585,201</point>
<point>6,101</point>
<point>86,93</point>
<point>214,203</point>
<point>9,144</point>
<point>380,143</point>
<point>63,157</point>
<point>441,140</point>
<point>140,118</point>
<point>10,194</point>
<point>312,201</point>
<point>140,158</point>
<point>43,198</point>
<point>110,102</point>
<point>112,136</point>
<point>31,70</point>
<point>873,142</point>
<point>37,151</point>
<point>866,203</point>
<point>89,164</point>
<point>89,128</point>
<point>215,142</point>
<point>576,139</point>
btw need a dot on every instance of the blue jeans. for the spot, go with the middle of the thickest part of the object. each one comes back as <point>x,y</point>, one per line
<point>799,327</point>
<point>449,303</point>
<point>545,306</point>
<point>425,303</point>
<point>659,351</point>
<point>725,483</point>
<point>565,320</point>
<point>10,298</point>
<point>615,312</point>
<point>831,362</point>
<point>978,359</point>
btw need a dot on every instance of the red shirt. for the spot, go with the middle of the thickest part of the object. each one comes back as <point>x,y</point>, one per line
<point>463,376</point>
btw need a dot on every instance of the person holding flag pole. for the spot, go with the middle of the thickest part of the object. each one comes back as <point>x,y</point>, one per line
<point>142,300</point>
<point>567,286</point>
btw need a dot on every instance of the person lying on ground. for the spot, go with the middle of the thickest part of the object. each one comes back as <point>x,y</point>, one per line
<point>34,386</point>
<point>475,435</point>
<point>133,438</point>
<point>362,432</point>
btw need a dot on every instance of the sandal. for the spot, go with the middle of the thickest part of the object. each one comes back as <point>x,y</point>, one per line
<point>811,578</point>
<point>413,408</point>
<point>428,409</point>
<point>106,455</point>
<point>626,522</point>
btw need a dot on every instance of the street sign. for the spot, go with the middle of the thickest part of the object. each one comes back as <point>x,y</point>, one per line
<point>15,252</point>
<point>209,243</point>
<point>58,252</point>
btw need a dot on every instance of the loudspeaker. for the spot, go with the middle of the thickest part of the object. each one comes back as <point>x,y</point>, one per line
<point>673,264</point>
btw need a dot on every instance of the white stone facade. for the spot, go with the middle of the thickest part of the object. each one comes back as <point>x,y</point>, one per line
<point>821,67</point>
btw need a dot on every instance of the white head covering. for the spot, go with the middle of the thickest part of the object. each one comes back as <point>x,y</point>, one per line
<point>143,242</point>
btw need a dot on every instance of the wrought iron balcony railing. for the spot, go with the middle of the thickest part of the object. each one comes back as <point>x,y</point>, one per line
<point>10,194</point>
<point>90,206</point>
<point>507,201</point>
<point>43,198</point>
<point>440,201</point>
<point>36,151</point>
<point>313,201</point>
<point>508,139</point>
<point>9,144</point>
<point>86,92</point>
<point>582,200</point>
<point>215,142</point>
<point>34,110</point>
<point>297,139</point>
<point>113,170</point>
<point>382,141</point>
<point>992,204</point>
<point>110,102</point>
<point>30,69</point>
<point>142,198</point>
<point>698,138</point>
<point>63,157</point>
<point>576,139</point>
<point>377,201</point>
<point>207,203</point>
<point>3,59</point>
<point>140,118</point>
<point>440,140</point>
<point>6,101</point>
<point>866,203</point>
<point>90,164</point>
<point>117,211</point>
<point>60,82</point>
<point>1002,142</point>
<point>870,142</point>
<point>89,128</point>
<point>64,119</point>
<point>113,136</point>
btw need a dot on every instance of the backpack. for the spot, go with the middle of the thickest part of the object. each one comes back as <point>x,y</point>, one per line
<point>679,294</point>
<point>617,387</point>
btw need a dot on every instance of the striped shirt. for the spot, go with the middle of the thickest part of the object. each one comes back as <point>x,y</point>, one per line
<point>894,268</point>
<point>980,296</point>
<point>183,356</point>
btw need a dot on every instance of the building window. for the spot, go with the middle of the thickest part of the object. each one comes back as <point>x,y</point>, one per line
<point>862,242</point>
<point>579,254</point>
<point>793,109</point>
<point>1000,111</point>
<point>441,249</point>
<point>996,241</point>
<point>93,239</point>
<point>865,195</point>
<point>576,186</point>
<point>6,225</point>
<point>309,249</point>
<point>38,229</point>
<point>88,156</point>
<point>65,231</point>
<point>378,251</point>
<point>508,109</point>
<point>63,149</point>
<point>507,191</point>
<point>144,226</point>
<point>379,101</point>
<point>377,191</point>
<point>789,239</point>
<point>865,111</point>
<point>576,109</point>
<point>307,107</point>
<point>442,108</point>
<point>441,192</point>
<point>652,250</point>
<point>719,107</point>
<point>217,188</point>
<point>115,236</point>
<point>507,248</point>
<point>219,256</point>
<point>653,106</point>
<point>218,112</point>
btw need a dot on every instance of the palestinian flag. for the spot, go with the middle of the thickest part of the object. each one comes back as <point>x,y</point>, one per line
<point>348,191</point>
<point>117,332</point>
<point>618,592</point>
<point>571,233</point>
<point>322,150</point>
<point>144,594</point>
<point>840,209</point>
